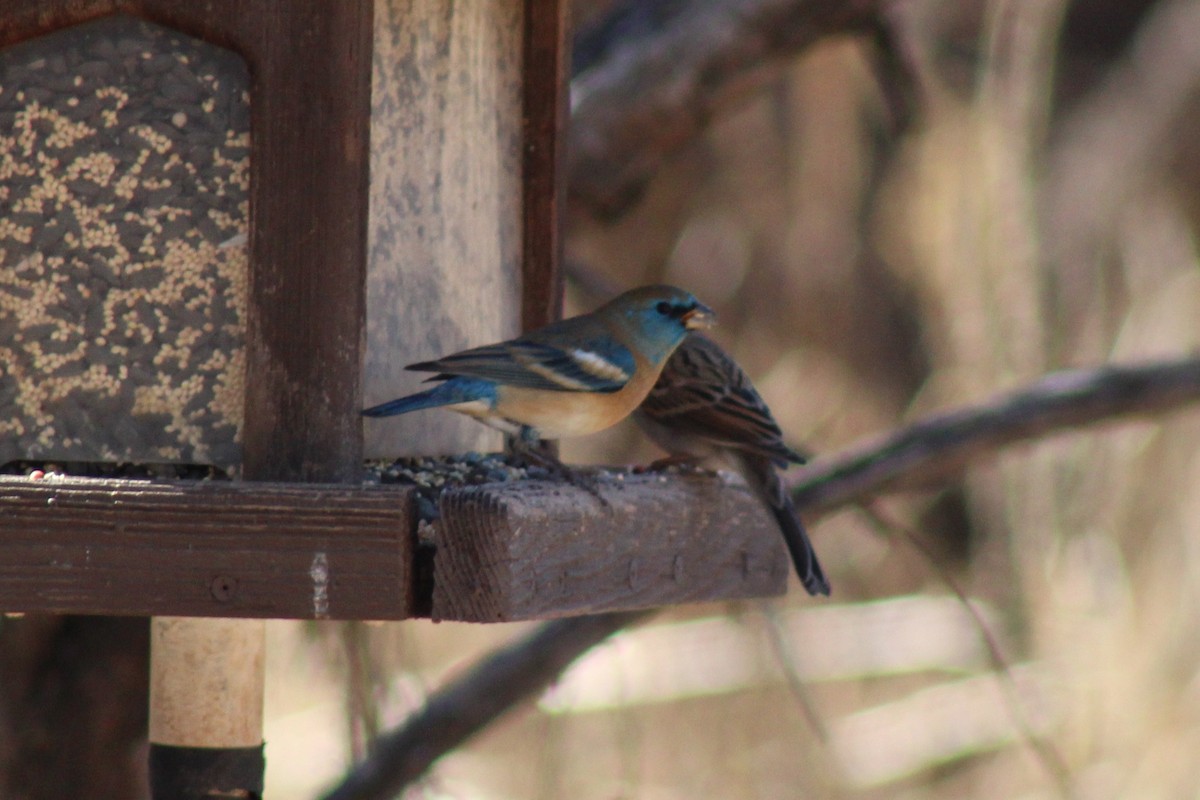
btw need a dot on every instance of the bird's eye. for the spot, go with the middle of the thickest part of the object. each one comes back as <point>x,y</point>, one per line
<point>663,308</point>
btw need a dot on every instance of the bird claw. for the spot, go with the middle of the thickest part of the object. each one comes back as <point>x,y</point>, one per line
<point>582,480</point>
<point>561,471</point>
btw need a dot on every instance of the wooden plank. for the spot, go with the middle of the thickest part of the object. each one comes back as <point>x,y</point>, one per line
<point>309,176</point>
<point>310,67</point>
<point>505,551</point>
<point>309,165</point>
<point>205,549</point>
<point>445,219</point>
<point>547,108</point>
<point>535,550</point>
<point>22,19</point>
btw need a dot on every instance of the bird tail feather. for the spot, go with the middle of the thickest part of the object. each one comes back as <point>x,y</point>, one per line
<point>453,391</point>
<point>765,481</point>
<point>801,548</point>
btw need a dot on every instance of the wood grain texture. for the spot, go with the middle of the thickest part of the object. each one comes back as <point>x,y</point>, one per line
<point>145,552</point>
<point>205,549</point>
<point>537,550</point>
<point>445,204</point>
<point>547,58</point>
<point>24,19</point>
<point>310,112</point>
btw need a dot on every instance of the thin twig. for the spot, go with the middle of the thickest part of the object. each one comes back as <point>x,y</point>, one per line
<point>1043,750</point>
<point>788,664</point>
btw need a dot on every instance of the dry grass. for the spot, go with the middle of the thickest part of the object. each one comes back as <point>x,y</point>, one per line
<point>1020,230</point>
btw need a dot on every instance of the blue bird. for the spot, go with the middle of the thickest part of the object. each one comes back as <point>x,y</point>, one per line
<point>704,408</point>
<point>569,378</point>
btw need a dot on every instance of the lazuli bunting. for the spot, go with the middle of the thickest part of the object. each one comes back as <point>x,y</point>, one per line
<point>569,378</point>
<point>704,407</point>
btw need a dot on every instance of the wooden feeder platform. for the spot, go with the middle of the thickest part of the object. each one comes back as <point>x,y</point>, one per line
<point>500,552</point>
<point>342,164</point>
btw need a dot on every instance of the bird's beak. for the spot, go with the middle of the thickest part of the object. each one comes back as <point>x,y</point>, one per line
<point>699,318</point>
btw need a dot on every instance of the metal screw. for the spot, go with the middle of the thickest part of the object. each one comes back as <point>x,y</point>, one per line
<point>223,588</point>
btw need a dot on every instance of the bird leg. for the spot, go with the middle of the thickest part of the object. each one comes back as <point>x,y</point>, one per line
<point>526,447</point>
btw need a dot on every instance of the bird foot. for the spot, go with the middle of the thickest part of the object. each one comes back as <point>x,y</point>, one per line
<point>561,471</point>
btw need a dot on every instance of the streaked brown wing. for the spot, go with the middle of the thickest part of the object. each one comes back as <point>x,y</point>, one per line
<point>702,392</point>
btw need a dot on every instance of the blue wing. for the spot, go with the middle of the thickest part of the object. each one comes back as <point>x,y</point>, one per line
<point>596,365</point>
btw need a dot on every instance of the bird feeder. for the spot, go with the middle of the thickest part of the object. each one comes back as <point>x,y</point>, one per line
<point>224,228</point>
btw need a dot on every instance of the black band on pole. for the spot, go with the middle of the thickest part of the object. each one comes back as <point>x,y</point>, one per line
<point>199,773</point>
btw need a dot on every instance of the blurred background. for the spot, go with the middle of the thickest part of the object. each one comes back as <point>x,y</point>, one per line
<point>1040,213</point>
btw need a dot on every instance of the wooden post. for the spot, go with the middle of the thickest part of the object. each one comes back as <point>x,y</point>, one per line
<point>547,70</point>
<point>309,178</point>
<point>206,701</point>
<point>446,205</point>
<point>464,241</point>
<point>310,107</point>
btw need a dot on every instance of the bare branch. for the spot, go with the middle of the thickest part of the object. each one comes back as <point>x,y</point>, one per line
<point>655,90</point>
<point>496,684</point>
<point>1046,752</point>
<point>943,444</point>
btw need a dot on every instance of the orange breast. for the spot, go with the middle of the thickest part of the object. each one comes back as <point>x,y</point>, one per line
<point>559,414</point>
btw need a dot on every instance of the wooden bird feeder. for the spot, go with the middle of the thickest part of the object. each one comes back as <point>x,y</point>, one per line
<point>224,228</point>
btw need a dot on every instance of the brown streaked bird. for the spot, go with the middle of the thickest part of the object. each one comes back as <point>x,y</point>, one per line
<point>704,408</point>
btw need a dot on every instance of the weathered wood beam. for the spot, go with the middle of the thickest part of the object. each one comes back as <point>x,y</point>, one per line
<point>547,55</point>
<point>205,549</point>
<point>523,550</point>
<point>309,171</point>
<point>534,550</point>
<point>310,68</point>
